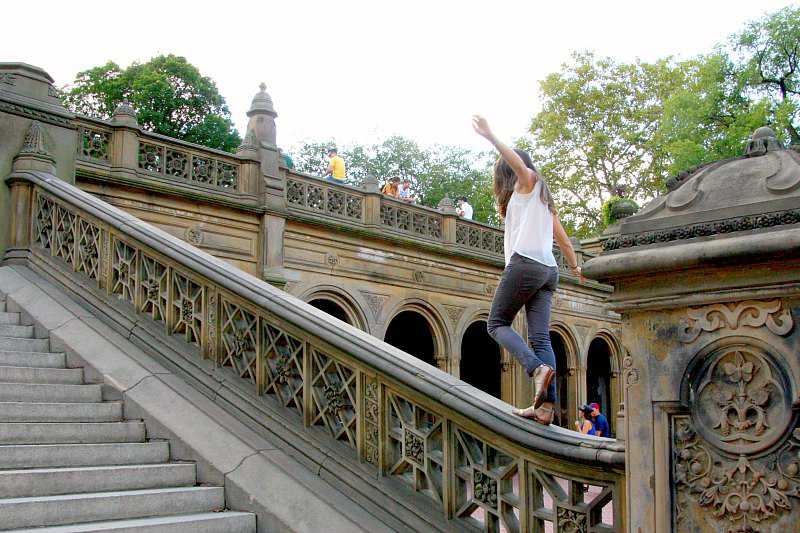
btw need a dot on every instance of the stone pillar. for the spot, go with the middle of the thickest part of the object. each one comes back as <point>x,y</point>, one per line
<point>449,220</point>
<point>125,140</point>
<point>707,281</point>
<point>372,201</point>
<point>27,95</point>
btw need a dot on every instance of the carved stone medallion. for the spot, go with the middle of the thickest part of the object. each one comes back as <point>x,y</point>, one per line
<point>736,454</point>
<point>741,401</point>
<point>194,236</point>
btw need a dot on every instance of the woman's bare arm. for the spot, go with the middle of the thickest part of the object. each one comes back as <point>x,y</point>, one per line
<point>526,178</point>
<point>563,242</point>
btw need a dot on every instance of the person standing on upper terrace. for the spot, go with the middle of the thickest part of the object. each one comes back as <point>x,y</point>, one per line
<point>336,171</point>
<point>531,273</point>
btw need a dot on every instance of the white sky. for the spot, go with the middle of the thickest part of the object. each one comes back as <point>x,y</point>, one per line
<point>358,71</point>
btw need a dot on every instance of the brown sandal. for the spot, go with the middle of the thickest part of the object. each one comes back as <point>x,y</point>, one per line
<point>542,415</point>
<point>542,376</point>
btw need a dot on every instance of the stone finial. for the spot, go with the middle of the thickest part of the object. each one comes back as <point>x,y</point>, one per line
<point>262,120</point>
<point>34,154</point>
<point>125,115</point>
<point>371,184</point>
<point>763,140</point>
<point>262,103</point>
<point>447,206</point>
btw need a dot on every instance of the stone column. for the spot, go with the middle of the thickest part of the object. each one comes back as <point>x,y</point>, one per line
<point>372,201</point>
<point>449,220</point>
<point>125,140</point>
<point>708,285</point>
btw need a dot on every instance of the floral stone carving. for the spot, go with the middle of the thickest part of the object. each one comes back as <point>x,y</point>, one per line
<point>570,521</point>
<point>735,458</point>
<point>485,488</point>
<point>414,448</point>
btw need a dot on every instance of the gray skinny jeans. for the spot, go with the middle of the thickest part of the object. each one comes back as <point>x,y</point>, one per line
<point>528,283</point>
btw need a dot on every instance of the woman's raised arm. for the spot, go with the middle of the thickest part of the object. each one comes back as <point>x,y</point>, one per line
<point>526,178</point>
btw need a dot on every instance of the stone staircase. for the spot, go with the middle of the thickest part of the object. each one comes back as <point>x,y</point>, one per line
<point>69,461</point>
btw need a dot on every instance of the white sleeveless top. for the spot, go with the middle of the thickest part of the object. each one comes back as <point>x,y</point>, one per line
<point>529,227</point>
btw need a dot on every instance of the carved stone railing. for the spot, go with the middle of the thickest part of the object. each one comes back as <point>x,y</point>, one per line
<point>475,236</point>
<point>464,460</point>
<point>134,151</point>
<point>409,219</point>
<point>324,198</point>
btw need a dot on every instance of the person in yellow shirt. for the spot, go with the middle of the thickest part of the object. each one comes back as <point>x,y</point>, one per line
<point>336,171</point>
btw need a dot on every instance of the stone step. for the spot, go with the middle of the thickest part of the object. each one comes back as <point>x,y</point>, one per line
<point>15,344</point>
<point>34,359</point>
<point>65,509</point>
<point>17,332</point>
<point>27,374</point>
<point>70,432</point>
<point>9,318</point>
<point>60,412</point>
<point>227,522</point>
<point>71,455</point>
<point>54,481</point>
<point>49,393</point>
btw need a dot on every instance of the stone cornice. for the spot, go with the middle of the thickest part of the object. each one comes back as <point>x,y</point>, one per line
<point>706,229</point>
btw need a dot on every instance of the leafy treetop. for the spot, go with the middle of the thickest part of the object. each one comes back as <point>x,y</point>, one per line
<point>170,97</point>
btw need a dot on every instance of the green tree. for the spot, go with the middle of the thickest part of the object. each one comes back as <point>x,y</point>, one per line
<point>170,97</point>
<point>769,54</point>
<point>595,133</point>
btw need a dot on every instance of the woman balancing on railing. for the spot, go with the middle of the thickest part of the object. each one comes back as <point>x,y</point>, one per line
<point>531,273</point>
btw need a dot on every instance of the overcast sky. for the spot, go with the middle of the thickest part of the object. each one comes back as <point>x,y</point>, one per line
<point>359,71</point>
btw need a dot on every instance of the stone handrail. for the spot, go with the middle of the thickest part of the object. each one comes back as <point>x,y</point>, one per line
<point>406,420</point>
<point>107,143</point>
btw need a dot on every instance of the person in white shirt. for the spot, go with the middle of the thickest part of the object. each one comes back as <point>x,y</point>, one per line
<point>531,273</point>
<point>464,209</point>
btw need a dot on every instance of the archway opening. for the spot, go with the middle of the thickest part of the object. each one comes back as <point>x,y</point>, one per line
<point>332,308</point>
<point>480,359</point>
<point>411,332</point>
<point>562,371</point>
<point>598,377</point>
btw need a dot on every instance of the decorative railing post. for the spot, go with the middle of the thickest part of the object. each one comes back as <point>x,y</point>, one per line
<point>124,145</point>
<point>449,218</point>
<point>372,201</point>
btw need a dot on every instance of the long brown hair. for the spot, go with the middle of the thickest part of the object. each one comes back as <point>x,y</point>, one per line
<point>505,179</point>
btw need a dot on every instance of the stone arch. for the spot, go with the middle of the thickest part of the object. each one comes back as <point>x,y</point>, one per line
<point>353,313</point>
<point>565,346</point>
<point>439,352</point>
<point>480,359</point>
<point>603,363</point>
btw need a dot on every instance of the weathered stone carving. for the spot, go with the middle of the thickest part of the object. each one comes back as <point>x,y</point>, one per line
<point>728,225</point>
<point>419,276</point>
<point>485,488</point>
<point>740,408</point>
<point>194,236</point>
<point>752,313</point>
<point>371,414</point>
<point>331,259</point>
<point>571,521</point>
<point>414,448</point>
<point>629,372</point>
<point>454,312</point>
<point>375,303</point>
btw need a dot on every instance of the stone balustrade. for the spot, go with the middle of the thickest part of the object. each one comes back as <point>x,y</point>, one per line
<point>432,442</point>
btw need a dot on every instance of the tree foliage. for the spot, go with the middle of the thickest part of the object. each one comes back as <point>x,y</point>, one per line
<point>435,172</point>
<point>170,97</point>
<point>769,54</point>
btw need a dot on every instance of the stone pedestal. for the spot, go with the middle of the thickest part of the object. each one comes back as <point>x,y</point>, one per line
<point>707,280</point>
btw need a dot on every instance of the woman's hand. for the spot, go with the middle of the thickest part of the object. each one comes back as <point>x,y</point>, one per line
<point>481,127</point>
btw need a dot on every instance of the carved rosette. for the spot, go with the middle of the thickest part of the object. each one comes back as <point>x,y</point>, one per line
<point>736,454</point>
<point>484,488</point>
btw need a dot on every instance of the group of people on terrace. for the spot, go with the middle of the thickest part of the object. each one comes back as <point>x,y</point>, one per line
<point>394,187</point>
